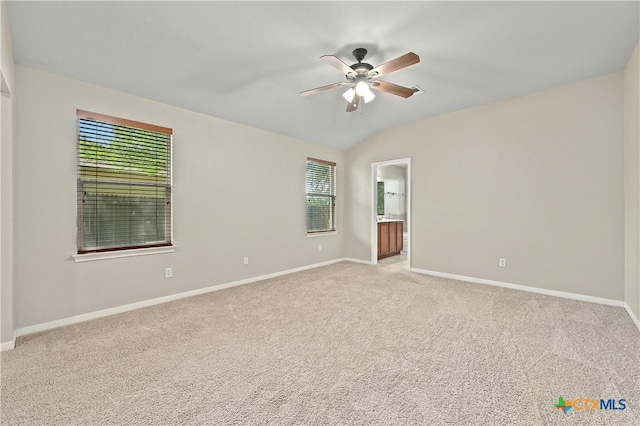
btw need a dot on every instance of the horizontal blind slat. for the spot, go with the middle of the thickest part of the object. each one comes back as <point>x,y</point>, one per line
<point>124,184</point>
<point>321,195</point>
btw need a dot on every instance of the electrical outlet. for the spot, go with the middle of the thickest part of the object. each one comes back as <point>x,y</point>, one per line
<point>246,260</point>
<point>320,247</point>
<point>168,272</point>
<point>502,262</point>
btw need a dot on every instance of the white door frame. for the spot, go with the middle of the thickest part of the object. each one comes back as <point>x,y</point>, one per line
<point>374,210</point>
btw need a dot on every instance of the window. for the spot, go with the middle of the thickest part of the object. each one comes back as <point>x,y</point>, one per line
<point>380,210</point>
<point>124,184</point>
<point>321,196</point>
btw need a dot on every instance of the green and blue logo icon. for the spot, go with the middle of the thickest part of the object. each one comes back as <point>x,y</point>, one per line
<point>563,405</point>
<point>591,404</point>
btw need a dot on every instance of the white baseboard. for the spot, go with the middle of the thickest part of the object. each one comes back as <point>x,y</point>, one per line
<point>146,303</point>
<point>350,259</point>
<point>5,346</point>
<point>634,318</point>
<point>151,302</point>
<point>529,289</point>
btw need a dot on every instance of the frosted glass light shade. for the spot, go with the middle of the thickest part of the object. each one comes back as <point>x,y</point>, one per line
<point>367,94</point>
<point>362,88</point>
<point>349,94</point>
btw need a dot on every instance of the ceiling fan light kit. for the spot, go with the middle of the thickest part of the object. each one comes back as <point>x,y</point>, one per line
<point>362,77</point>
<point>362,88</point>
<point>349,94</point>
<point>365,93</point>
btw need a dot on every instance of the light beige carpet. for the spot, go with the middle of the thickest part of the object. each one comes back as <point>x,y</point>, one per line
<point>345,344</point>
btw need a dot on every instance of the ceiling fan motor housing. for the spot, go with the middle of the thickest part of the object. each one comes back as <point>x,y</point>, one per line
<point>361,67</point>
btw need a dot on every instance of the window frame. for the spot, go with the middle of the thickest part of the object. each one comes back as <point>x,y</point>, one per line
<point>160,246</point>
<point>333,196</point>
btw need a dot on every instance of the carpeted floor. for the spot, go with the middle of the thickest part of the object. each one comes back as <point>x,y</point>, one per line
<point>346,344</point>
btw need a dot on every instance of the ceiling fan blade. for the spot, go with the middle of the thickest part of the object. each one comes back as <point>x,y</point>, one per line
<point>394,89</point>
<point>353,105</point>
<point>395,64</point>
<point>322,88</point>
<point>336,62</point>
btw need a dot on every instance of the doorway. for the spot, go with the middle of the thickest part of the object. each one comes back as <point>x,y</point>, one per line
<point>396,196</point>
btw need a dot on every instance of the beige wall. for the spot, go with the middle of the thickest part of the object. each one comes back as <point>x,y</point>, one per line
<point>238,191</point>
<point>632,182</point>
<point>536,179</point>
<point>7,72</point>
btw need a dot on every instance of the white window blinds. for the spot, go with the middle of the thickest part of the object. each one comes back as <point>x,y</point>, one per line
<point>124,184</point>
<point>321,196</point>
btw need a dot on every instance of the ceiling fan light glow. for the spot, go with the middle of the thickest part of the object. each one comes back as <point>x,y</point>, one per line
<point>350,94</point>
<point>362,88</point>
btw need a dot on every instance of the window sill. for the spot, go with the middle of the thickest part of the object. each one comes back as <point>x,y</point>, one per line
<point>90,257</point>
<point>321,234</point>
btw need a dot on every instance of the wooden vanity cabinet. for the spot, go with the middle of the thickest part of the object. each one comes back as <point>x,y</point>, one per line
<point>389,238</point>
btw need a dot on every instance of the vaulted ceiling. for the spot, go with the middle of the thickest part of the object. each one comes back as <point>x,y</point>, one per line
<point>248,61</point>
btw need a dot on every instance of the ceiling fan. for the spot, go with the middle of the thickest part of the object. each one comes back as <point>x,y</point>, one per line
<point>362,77</point>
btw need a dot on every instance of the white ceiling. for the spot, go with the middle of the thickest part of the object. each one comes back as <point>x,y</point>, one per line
<point>248,61</point>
